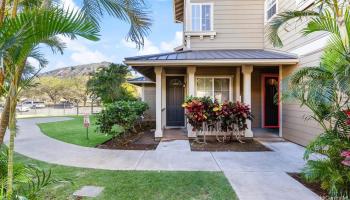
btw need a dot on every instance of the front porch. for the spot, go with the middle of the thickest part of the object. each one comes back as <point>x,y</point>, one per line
<point>238,83</point>
<point>248,76</point>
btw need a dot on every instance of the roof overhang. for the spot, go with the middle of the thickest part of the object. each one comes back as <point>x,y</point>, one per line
<point>225,62</point>
<point>178,6</point>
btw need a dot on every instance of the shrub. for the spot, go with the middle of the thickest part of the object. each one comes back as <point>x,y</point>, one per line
<point>28,180</point>
<point>123,113</point>
<point>204,109</point>
<point>331,171</point>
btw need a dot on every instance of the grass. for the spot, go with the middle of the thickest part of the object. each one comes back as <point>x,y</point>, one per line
<point>73,131</point>
<point>136,184</point>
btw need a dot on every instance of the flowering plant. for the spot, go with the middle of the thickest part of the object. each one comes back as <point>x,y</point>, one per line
<point>346,161</point>
<point>242,113</point>
<point>195,111</point>
<point>199,110</point>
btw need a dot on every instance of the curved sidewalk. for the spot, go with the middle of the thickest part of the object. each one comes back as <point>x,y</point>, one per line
<point>253,175</point>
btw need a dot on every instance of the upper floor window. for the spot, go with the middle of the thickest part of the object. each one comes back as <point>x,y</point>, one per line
<point>271,9</point>
<point>201,18</point>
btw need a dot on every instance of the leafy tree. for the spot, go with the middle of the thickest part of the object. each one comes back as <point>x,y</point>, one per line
<point>325,90</point>
<point>108,84</point>
<point>34,28</point>
<point>21,34</point>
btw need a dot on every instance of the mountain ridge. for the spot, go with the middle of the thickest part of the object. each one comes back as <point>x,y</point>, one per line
<point>77,70</point>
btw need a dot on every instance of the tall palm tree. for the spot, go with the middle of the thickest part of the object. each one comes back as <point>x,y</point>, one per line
<point>134,12</point>
<point>329,16</point>
<point>30,29</point>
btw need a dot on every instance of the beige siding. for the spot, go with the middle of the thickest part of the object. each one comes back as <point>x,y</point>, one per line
<point>296,125</point>
<point>239,24</point>
<point>150,99</point>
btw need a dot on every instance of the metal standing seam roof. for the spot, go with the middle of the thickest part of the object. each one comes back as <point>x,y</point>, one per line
<point>215,54</point>
<point>140,80</point>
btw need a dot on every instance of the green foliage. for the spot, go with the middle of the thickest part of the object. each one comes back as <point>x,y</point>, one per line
<point>201,110</point>
<point>123,113</point>
<point>331,17</point>
<point>324,89</point>
<point>134,12</point>
<point>28,180</point>
<point>108,84</point>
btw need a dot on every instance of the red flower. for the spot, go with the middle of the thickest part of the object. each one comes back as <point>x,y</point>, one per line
<point>345,154</point>
<point>346,162</point>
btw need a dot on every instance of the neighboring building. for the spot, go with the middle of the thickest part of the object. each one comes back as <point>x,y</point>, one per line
<point>226,54</point>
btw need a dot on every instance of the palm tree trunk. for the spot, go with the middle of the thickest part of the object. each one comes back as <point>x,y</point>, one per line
<point>14,8</point>
<point>2,10</point>
<point>12,126</point>
<point>46,4</point>
<point>5,116</point>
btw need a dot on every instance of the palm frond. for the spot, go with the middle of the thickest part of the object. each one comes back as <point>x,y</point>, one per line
<point>134,12</point>
<point>281,19</point>
<point>55,43</point>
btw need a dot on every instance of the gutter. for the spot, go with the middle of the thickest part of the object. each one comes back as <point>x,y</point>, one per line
<point>231,62</point>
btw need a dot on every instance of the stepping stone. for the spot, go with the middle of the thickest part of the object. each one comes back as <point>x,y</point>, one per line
<point>174,145</point>
<point>88,191</point>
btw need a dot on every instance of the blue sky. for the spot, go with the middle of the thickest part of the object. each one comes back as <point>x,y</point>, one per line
<point>164,36</point>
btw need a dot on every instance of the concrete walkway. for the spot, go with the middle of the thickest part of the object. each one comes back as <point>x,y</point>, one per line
<point>253,175</point>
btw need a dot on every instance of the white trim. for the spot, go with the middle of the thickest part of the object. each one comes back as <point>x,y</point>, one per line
<point>265,12</point>
<point>303,4</point>
<point>281,103</point>
<point>189,16</point>
<point>216,77</point>
<point>238,85</point>
<point>313,46</point>
<point>239,62</point>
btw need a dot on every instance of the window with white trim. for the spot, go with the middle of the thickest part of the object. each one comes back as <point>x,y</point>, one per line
<point>270,9</point>
<point>216,88</point>
<point>201,18</point>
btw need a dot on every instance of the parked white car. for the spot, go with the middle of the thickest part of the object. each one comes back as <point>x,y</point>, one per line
<point>22,108</point>
<point>34,104</point>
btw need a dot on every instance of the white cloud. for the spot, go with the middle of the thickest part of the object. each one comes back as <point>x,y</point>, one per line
<point>69,4</point>
<point>169,46</point>
<point>151,48</point>
<point>81,53</point>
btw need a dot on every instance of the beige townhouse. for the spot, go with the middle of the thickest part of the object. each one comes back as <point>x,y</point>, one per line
<point>226,54</point>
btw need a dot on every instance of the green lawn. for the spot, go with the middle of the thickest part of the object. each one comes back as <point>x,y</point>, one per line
<point>130,185</point>
<point>73,131</point>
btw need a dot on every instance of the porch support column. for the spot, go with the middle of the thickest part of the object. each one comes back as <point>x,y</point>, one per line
<point>238,85</point>
<point>280,79</point>
<point>191,92</point>
<point>247,93</point>
<point>159,131</point>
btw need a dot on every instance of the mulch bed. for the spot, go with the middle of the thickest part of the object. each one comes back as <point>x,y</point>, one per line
<point>235,146</point>
<point>315,187</point>
<point>143,140</point>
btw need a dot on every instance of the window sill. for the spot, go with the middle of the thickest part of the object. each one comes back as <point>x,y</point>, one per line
<point>203,34</point>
